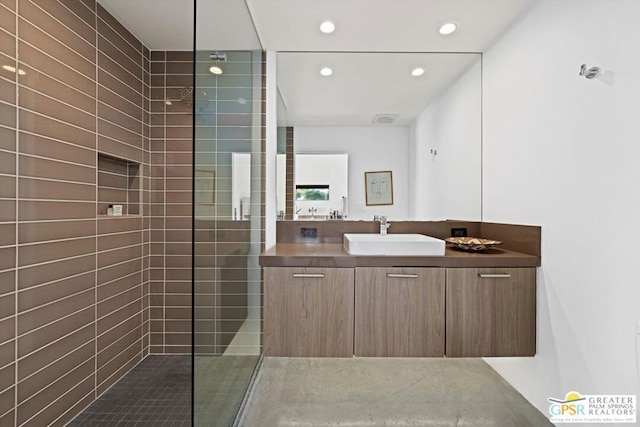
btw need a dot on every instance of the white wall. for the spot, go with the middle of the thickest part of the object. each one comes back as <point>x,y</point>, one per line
<point>369,149</point>
<point>448,185</point>
<point>271,148</point>
<point>563,152</point>
<point>240,184</point>
<point>281,172</point>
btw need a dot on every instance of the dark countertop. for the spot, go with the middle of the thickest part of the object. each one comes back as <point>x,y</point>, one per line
<point>334,255</point>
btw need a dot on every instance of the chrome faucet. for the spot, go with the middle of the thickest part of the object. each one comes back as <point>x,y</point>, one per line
<point>384,225</point>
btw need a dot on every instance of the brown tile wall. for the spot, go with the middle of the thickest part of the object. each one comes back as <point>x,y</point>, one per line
<point>289,189</point>
<point>171,182</point>
<point>74,284</point>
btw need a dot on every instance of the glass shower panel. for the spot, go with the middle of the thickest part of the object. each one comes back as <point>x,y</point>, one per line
<point>228,230</point>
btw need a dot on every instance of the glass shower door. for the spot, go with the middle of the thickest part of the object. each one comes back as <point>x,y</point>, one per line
<point>228,220</point>
<point>228,232</point>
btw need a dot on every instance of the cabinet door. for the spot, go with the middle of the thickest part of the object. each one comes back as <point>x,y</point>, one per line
<point>308,312</point>
<point>400,312</point>
<point>491,312</point>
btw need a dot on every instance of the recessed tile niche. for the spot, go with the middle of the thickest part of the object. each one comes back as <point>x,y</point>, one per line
<point>118,184</point>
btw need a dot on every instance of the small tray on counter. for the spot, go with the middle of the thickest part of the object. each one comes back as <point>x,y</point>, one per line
<point>474,244</point>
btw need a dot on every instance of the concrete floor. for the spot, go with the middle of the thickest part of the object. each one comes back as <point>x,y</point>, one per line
<point>385,392</point>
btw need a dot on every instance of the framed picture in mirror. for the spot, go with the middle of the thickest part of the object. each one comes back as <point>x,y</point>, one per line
<point>378,188</point>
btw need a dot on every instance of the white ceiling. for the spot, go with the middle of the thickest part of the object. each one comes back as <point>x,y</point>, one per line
<point>158,24</point>
<point>408,26</point>
<point>382,25</point>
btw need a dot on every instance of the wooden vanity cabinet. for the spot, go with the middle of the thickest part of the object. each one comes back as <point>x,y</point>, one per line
<point>399,312</point>
<point>308,312</point>
<point>491,312</point>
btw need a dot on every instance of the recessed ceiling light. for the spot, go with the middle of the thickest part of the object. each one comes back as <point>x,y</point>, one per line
<point>448,28</point>
<point>215,70</point>
<point>327,27</point>
<point>326,71</point>
<point>168,102</point>
<point>417,72</point>
<point>22,72</point>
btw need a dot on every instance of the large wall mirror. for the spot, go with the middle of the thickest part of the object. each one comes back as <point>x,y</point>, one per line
<point>415,114</point>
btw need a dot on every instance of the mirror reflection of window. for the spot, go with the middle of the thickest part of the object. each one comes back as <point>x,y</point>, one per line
<point>312,192</point>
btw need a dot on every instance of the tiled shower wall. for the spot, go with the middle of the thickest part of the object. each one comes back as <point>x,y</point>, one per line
<point>73,282</point>
<point>289,179</point>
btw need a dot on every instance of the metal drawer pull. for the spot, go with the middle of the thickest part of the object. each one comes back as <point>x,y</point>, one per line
<point>402,276</point>
<point>309,275</point>
<point>494,276</point>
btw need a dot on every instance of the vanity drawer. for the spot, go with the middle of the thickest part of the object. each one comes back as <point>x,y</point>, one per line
<point>308,312</point>
<point>400,312</point>
<point>491,312</point>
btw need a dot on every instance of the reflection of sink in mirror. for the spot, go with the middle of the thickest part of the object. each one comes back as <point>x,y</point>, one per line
<point>393,244</point>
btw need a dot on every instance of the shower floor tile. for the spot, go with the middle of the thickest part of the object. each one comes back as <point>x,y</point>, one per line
<point>157,392</point>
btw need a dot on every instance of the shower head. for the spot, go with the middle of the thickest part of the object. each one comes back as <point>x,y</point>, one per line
<point>218,56</point>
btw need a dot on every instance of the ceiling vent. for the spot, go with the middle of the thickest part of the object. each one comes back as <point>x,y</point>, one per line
<point>384,119</point>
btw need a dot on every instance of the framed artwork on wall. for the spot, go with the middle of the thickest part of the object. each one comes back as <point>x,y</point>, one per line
<point>378,188</point>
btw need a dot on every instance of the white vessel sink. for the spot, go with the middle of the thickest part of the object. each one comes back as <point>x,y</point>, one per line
<point>392,244</point>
